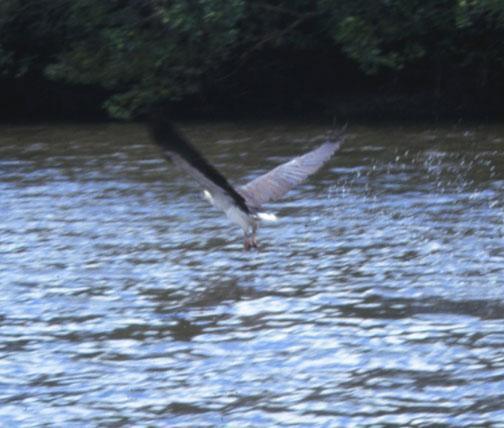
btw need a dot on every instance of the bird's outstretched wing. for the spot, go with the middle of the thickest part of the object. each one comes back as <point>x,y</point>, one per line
<point>277,182</point>
<point>181,152</point>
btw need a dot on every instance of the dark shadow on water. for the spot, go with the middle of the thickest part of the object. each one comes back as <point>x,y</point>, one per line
<point>379,307</point>
<point>185,330</point>
<point>227,290</point>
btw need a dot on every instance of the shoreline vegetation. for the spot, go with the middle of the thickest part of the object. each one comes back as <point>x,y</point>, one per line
<point>363,107</point>
<point>369,60</point>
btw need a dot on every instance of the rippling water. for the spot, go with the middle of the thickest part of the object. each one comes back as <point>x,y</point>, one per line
<point>377,299</point>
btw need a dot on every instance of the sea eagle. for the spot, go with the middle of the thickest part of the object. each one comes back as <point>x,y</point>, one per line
<point>242,205</point>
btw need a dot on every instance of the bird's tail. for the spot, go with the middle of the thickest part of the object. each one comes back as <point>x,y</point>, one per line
<point>267,217</point>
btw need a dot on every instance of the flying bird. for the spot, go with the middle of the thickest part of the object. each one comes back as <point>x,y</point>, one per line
<point>242,205</point>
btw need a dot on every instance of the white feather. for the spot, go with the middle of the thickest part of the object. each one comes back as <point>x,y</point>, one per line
<point>208,196</point>
<point>267,217</point>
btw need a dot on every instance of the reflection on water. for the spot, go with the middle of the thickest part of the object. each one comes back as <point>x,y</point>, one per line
<point>377,299</point>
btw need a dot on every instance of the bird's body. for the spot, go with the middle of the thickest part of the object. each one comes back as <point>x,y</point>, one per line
<point>242,205</point>
<point>236,215</point>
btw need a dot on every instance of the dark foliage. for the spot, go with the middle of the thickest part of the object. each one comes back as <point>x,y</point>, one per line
<point>296,56</point>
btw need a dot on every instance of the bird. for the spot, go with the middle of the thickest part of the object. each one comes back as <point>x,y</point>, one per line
<point>243,205</point>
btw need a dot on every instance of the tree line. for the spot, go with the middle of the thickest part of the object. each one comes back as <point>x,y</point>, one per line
<point>141,53</point>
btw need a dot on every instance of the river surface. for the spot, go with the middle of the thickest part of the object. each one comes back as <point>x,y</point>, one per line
<point>377,299</point>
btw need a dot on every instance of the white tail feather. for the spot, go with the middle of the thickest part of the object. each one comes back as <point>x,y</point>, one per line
<point>267,217</point>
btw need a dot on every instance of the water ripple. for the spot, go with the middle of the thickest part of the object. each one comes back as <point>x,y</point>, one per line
<point>376,300</point>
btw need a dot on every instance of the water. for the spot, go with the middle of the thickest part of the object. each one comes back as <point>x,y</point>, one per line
<point>377,299</point>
